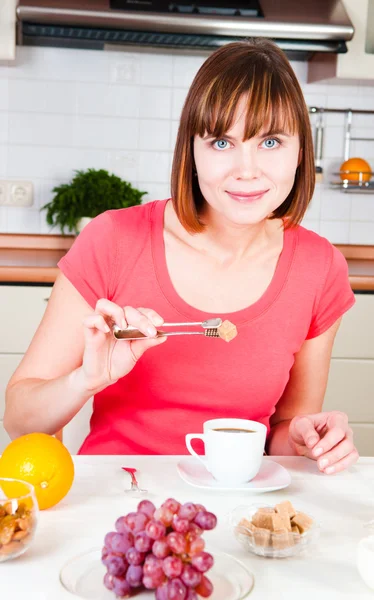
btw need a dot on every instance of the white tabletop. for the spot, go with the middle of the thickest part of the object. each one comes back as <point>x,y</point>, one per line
<point>341,504</point>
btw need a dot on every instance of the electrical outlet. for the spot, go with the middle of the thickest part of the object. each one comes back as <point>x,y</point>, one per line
<point>16,193</point>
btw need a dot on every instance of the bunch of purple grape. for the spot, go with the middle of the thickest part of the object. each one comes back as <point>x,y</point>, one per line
<point>160,549</point>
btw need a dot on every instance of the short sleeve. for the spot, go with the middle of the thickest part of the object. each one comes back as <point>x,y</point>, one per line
<point>335,297</point>
<point>91,261</point>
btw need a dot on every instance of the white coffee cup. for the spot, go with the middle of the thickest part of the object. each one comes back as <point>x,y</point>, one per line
<point>232,457</point>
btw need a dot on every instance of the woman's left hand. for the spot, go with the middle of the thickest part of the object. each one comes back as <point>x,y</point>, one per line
<point>325,437</point>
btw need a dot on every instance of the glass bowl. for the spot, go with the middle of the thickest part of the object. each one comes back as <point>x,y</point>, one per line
<point>18,517</point>
<point>83,577</point>
<point>264,542</point>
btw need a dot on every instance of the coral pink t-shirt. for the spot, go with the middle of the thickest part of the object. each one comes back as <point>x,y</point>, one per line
<point>173,388</point>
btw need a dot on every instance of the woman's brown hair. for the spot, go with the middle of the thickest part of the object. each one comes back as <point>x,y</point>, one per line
<point>259,70</point>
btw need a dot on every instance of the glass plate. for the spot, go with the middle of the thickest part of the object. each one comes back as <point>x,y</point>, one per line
<point>83,576</point>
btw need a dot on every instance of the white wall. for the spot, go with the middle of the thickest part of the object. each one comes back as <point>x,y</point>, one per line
<point>62,110</point>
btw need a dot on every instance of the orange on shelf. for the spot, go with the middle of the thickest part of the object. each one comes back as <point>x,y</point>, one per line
<point>359,170</point>
<point>41,460</point>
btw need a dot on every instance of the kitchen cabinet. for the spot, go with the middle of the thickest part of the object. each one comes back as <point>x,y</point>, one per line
<point>23,307</point>
<point>358,62</point>
<point>8,29</point>
<point>351,380</point>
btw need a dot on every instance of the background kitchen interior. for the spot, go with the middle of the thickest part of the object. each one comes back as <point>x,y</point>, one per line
<point>63,109</point>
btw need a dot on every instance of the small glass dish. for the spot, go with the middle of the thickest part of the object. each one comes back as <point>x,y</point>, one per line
<point>18,517</point>
<point>83,577</point>
<point>268,543</point>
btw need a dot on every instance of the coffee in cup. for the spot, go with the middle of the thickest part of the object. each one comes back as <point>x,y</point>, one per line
<point>233,449</point>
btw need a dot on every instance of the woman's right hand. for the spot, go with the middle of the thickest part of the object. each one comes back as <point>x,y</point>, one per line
<point>106,359</point>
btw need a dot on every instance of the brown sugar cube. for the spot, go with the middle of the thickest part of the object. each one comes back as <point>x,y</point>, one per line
<point>263,520</point>
<point>285,518</point>
<point>281,539</point>
<point>262,537</point>
<point>227,331</point>
<point>245,527</point>
<point>278,522</point>
<point>267,510</point>
<point>285,507</point>
<point>302,522</point>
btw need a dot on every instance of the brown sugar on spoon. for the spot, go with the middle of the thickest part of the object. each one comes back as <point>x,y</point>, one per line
<point>227,331</point>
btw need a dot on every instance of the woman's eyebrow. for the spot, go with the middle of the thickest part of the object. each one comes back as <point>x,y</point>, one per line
<point>279,132</point>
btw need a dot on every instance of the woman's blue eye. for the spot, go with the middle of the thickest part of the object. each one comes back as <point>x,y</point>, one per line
<point>270,143</point>
<point>221,144</point>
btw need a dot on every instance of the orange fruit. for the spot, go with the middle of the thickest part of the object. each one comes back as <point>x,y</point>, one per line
<point>42,460</point>
<point>356,165</point>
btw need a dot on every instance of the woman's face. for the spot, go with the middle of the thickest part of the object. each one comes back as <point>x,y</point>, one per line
<point>246,181</point>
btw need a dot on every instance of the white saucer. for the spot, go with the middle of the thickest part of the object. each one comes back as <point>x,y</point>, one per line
<point>271,476</point>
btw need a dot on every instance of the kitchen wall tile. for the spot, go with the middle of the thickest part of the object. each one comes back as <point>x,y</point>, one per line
<point>361,233</point>
<point>336,206</point>
<point>28,95</point>
<point>155,191</point>
<point>101,99</point>
<point>124,164</point>
<point>185,68</point>
<point>173,135</point>
<point>154,134</point>
<point>58,163</point>
<point>60,64</point>
<point>337,232</point>
<point>3,161</point>
<point>96,132</point>
<point>156,69</point>
<point>23,220</point>
<point>314,209</point>
<point>154,167</point>
<point>179,97</point>
<point>47,229</point>
<point>312,224</point>
<point>155,103</point>
<point>4,94</point>
<point>333,144</point>
<point>362,207</point>
<point>41,129</point>
<point>4,127</point>
<point>300,69</point>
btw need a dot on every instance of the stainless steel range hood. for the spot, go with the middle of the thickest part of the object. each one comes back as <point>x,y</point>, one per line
<point>300,28</point>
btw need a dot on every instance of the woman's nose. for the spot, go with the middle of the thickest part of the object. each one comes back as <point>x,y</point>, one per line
<point>247,166</point>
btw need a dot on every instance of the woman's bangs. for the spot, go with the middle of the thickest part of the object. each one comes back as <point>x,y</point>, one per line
<point>271,108</point>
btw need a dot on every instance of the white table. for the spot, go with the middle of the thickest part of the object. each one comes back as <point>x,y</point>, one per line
<point>340,503</point>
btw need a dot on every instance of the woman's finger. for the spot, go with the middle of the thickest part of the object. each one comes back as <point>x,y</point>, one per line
<point>344,463</point>
<point>138,347</point>
<point>333,436</point>
<point>96,321</point>
<point>113,311</point>
<point>344,448</point>
<point>152,315</point>
<point>302,431</point>
<point>136,319</point>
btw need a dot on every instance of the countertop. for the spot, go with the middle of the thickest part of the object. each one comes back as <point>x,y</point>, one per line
<point>34,258</point>
<point>340,505</point>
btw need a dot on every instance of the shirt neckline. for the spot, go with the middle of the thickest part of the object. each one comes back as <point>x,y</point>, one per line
<point>242,316</point>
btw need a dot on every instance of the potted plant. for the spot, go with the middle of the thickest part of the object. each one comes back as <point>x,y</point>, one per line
<point>89,193</point>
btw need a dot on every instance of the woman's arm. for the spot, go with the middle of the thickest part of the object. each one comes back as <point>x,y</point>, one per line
<point>72,356</point>
<point>297,426</point>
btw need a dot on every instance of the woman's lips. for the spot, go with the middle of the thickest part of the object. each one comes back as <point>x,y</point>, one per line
<point>244,197</point>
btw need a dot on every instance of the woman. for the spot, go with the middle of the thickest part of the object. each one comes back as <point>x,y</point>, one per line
<point>228,244</point>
